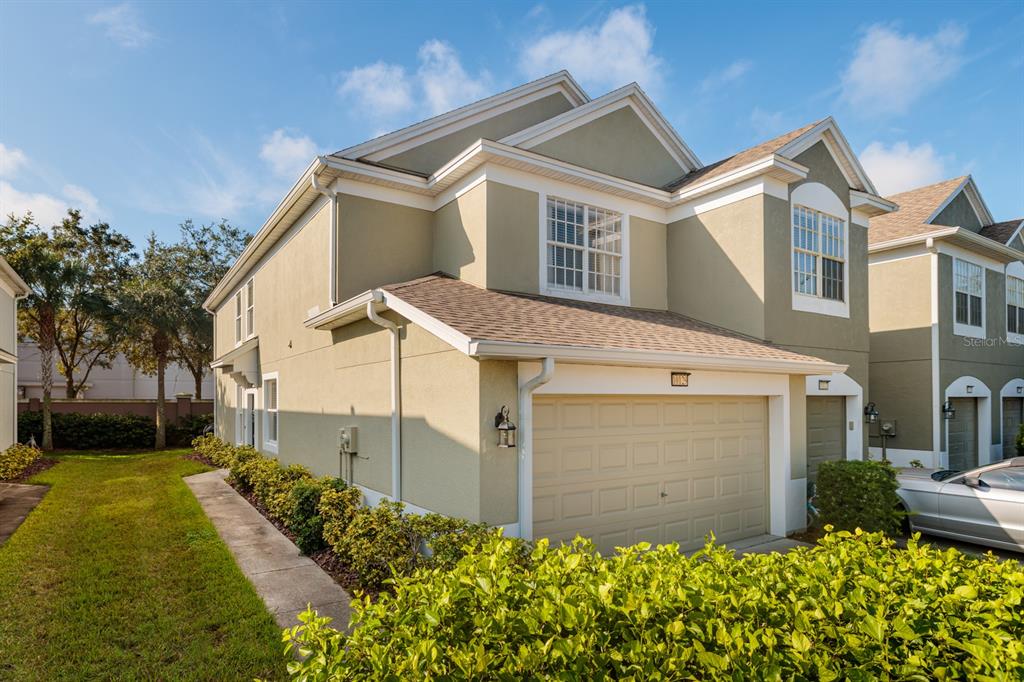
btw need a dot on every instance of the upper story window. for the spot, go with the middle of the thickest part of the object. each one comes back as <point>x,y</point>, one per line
<point>819,254</point>
<point>238,317</point>
<point>244,312</point>
<point>249,308</point>
<point>584,249</point>
<point>969,293</point>
<point>270,410</point>
<point>1014,305</point>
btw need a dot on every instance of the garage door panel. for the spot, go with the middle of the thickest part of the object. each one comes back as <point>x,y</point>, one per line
<point>626,470</point>
<point>826,435</point>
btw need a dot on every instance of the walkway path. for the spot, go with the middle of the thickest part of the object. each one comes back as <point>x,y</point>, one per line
<point>16,501</point>
<point>285,578</point>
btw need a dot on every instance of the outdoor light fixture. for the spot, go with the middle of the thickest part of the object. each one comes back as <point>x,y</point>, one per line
<point>506,429</point>
<point>871,412</point>
<point>823,384</point>
<point>1020,389</point>
<point>948,411</point>
<point>680,378</point>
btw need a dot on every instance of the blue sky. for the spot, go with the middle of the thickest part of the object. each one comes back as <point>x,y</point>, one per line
<point>144,114</point>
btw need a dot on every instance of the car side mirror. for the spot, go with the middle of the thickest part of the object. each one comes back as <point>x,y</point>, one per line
<point>974,482</point>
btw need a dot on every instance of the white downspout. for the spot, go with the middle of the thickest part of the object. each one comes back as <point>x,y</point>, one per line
<point>396,396</point>
<point>547,369</point>
<point>332,196</point>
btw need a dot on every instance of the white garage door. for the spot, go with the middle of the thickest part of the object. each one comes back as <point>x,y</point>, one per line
<point>623,470</point>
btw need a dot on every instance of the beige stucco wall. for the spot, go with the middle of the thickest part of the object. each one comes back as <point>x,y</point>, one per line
<point>381,243</point>
<point>8,406</point>
<point>798,427</point>
<point>720,251</point>
<point>900,371</point>
<point>959,214</point>
<point>429,157</point>
<point>513,238</point>
<point>619,144</point>
<point>460,237</point>
<point>648,264</point>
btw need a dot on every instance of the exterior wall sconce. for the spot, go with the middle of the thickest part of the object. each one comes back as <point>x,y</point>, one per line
<point>823,384</point>
<point>506,429</point>
<point>1020,389</point>
<point>970,389</point>
<point>680,378</point>
<point>948,411</point>
<point>871,412</point>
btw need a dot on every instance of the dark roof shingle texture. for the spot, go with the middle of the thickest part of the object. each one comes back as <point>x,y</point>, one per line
<point>1001,232</point>
<point>915,207</point>
<point>484,314</point>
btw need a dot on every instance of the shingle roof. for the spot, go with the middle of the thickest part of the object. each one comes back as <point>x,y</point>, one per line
<point>1001,232</point>
<point>739,159</point>
<point>484,314</point>
<point>916,206</point>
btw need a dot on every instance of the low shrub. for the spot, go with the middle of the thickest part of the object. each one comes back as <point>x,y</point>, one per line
<point>15,459</point>
<point>861,494</point>
<point>448,539</point>
<point>378,544</point>
<point>1020,441</point>
<point>853,607</point>
<point>304,518</point>
<point>215,450</point>
<point>337,508</point>
<point>73,431</point>
<point>187,428</point>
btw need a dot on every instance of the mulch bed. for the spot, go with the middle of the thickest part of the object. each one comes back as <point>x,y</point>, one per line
<point>38,466</point>
<point>326,559</point>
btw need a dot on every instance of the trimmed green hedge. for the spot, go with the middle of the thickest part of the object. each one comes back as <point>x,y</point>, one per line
<point>74,431</point>
<point>1020,441</point>
<point>377,543</point>
<point>853,607</point>
<point>15,459</point>
<point>854,494</point>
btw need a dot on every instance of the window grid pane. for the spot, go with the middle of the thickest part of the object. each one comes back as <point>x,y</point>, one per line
<point>805,276</point>
<point>832,279</point>
<point>583,240</point>
<point>968,278</point>
<point>961,308</point>
<point>1015,291</point>
<point>975,304</point>
<point>271,388</point>
<point>817,236</point>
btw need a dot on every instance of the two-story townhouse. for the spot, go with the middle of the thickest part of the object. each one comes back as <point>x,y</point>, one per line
<point>12,288</point>
<point>653,327</point>
<point>947,327</point>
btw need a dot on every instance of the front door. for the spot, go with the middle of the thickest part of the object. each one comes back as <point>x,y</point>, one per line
<point>1013,416</point>
<point>250,418</point>
<point>963,434</point>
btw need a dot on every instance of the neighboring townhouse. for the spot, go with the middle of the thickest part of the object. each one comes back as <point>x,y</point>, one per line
<point>947,327</point>
<point>12,288</point>
<point>679,345</point>
<point>118,381</point>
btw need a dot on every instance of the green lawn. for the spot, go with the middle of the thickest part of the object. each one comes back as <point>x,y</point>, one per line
<point>119,574</point>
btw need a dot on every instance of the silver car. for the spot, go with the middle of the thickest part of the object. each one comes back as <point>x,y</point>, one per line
<point>983,505</point>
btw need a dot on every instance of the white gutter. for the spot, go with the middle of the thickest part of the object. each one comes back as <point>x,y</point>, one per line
<point>332,196</point>
<point>396,397</point>
<point>526,446</point>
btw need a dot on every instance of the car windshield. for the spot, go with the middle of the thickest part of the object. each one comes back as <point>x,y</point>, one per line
<point>943,474</point>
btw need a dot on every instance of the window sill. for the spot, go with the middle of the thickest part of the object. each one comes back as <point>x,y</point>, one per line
<point>270,447</point>
<point>583,296</point>
<point>1015,339</point>
<point>820,306</point>
<point>968,331</point>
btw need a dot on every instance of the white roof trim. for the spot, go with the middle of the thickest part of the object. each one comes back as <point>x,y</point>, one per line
<point>774,165</point>
<point>958,235</point>
<point>355,308</point>
<point>870,204</point>
<point>978,205</point>
<point>1016,233</point>
<point>630,95</point>
<point>13,279</point>
<point>829,132</point>
<point>447,123</point>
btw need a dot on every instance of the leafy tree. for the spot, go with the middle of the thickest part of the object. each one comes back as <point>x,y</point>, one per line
<point>153,314</point>
<point>41,259</point>
<point>89,327</point>
<point>205,252</point>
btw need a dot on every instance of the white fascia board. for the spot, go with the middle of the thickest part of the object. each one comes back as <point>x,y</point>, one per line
<point>632,357</point>
<point>339,314</point>
<point>13,279</point>
<point>870,204</point>
<point>449,335</point>
<point>959,237</point>
<point>452,121</point>
<point>828,131</point>
<point>1016,233</point>
<point>774,165</point>
<point>978,205</point>
<point>241,264</point>
<point>630,95</point>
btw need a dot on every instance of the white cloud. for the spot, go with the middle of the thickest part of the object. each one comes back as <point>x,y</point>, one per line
<point>606,56</point>
<point>729,74</point>
<point>381,89</point>
<point>440,83</point>
<point>124,25</point>
<point>890,70</point>
<point>902,167</point>
<point>46,208</point>
<point>443,80</point>
<point>287,155</point>
<point>11,159</point>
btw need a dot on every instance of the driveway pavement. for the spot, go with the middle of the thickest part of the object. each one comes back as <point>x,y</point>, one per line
<point>16,501</point>
<point>286,579</point>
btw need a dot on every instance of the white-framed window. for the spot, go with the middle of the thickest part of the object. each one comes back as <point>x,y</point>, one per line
<point>968,298</point>
<point>238,317</point>
<point>583,250</point>
<point>271,420</point>
<point>819,254</point>
<point>249,308</point>
<point>1015,308</point>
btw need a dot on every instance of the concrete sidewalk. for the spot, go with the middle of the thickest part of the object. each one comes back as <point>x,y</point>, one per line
<point>285,578</point>
<point>16,501</point>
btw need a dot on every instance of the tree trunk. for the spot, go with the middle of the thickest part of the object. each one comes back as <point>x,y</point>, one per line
<point>160,346</point>
<point>46,345</point>
<point>199,384</point>
<point>69,386</point>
